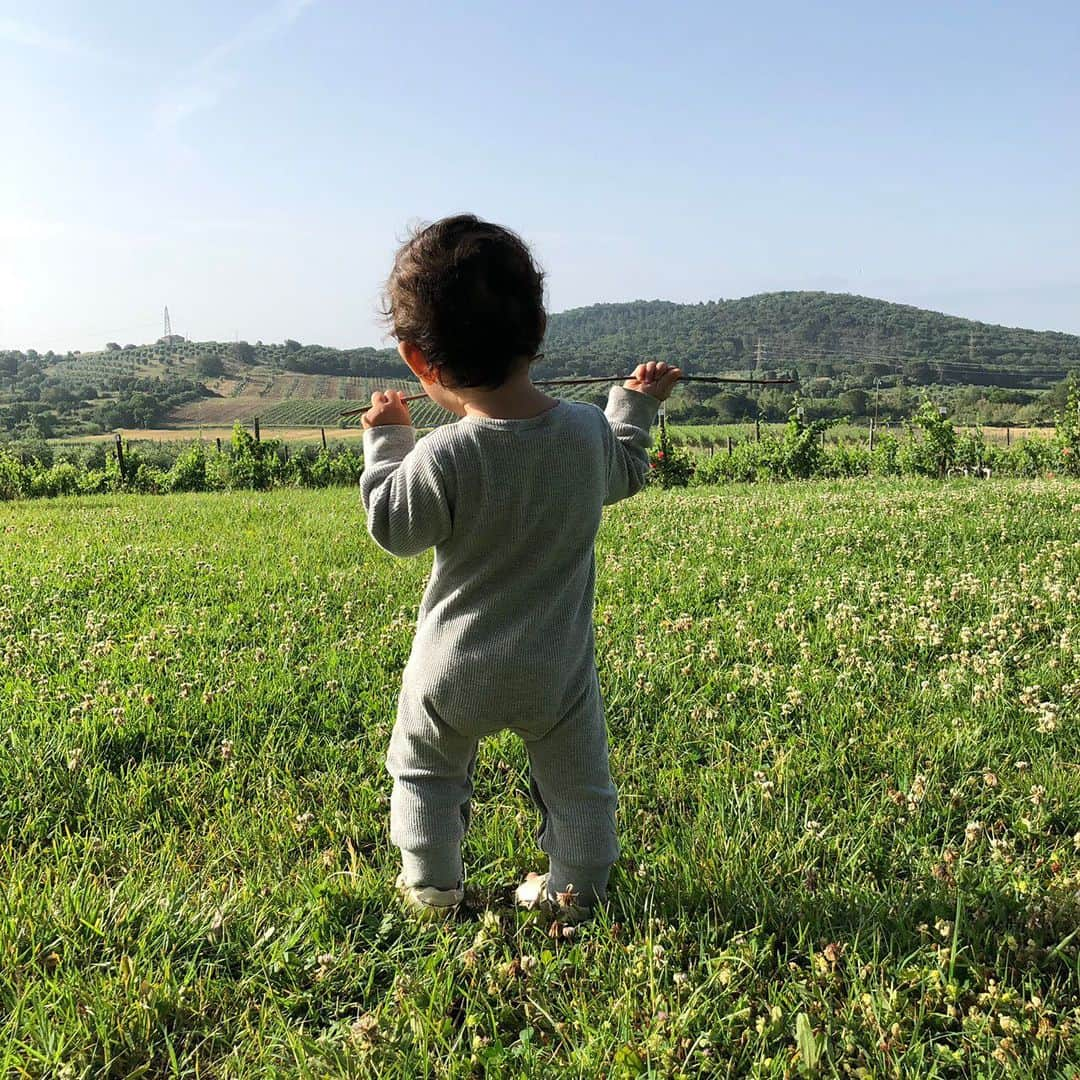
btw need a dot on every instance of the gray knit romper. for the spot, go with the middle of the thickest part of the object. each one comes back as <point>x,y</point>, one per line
<point>504,637</point>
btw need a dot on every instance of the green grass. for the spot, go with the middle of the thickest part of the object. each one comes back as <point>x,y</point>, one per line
<point>843,724</point>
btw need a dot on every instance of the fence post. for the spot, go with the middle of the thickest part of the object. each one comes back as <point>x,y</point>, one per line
<point>257,438</point>
<point>218,441</point>
<point>322,432</point>
<point>1008,437</point>
<point>120,455</point>
<point>729,446</point>
<point>871,434</point>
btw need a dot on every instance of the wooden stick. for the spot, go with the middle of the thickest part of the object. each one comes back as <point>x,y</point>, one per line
<point>614,378</point>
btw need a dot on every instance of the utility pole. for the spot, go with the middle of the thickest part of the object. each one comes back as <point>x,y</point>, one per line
<point>758,354</point>
<point>877,406</point>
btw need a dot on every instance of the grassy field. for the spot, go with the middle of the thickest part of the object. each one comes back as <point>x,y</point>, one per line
<point>844,728</point>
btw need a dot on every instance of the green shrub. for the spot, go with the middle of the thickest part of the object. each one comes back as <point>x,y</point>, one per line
<point>670,468</point>
<point>1030,457</point>
<point>748,462</point>
<point>321,472</point>
<point>249,466</point>
<point>14,477</point>
<point>933,453</point>
<point>61,479</point>
<point>188,472</point>
<point>218,472</point>
<point>885,460</point>
<point>347,467</point>
<point>93,481</point>
<point>801,454</point>
<point>148,480</point>
<point>969,451</point>
<point>845,459</point>
<point>1067,437</point>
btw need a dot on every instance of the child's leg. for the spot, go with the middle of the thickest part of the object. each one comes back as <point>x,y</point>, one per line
<point>432,766</point>
<point>571,785</point>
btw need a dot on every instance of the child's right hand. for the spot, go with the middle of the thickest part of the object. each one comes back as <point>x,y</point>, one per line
<point>387,408</point>
<point>655,379</point>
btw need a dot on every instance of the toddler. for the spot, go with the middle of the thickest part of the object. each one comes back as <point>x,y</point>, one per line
<point>510,497</point>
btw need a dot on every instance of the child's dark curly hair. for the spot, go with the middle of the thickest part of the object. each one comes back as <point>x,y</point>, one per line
<point>470,296</point>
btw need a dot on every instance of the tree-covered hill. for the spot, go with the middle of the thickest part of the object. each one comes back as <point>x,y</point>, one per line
<point>811,333</point>
<point>837,347</point>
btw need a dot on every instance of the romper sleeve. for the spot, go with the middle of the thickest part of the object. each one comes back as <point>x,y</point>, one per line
<point>404,491</point>
<point>630,415</point>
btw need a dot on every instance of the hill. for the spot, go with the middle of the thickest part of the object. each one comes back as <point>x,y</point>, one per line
<point>836,346</point>
<point>812,334</point>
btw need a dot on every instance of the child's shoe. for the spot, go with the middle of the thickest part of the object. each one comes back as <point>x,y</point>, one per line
<point>532,894</point>
<point>429,903</point>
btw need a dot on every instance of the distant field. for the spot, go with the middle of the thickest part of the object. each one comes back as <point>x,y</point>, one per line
<point>299,421</point>
<point>718,434</point>
<point>209,434</point>
<point>293,401</point>
<point>282,398</point>
<point>999,436</point>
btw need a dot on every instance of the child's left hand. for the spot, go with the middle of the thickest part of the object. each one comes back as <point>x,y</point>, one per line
<point>386,408</point>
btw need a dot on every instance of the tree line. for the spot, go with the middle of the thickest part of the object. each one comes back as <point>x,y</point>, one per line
<point>815,334</point>
<point>849,356</point>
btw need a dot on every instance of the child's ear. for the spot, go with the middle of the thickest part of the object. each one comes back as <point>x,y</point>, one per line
<point>417,361</point>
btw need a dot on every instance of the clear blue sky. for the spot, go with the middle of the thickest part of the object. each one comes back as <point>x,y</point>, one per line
<point>252,164</point>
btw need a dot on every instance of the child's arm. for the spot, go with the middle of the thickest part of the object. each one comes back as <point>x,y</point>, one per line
<point>402,486</point>
<point>630,412</point>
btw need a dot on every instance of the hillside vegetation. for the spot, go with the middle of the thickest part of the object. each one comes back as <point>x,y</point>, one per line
<point>836,348</point>
<point>810,333</point>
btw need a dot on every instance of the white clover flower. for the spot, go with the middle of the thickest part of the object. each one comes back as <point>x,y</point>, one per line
<point>1046,722</point>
